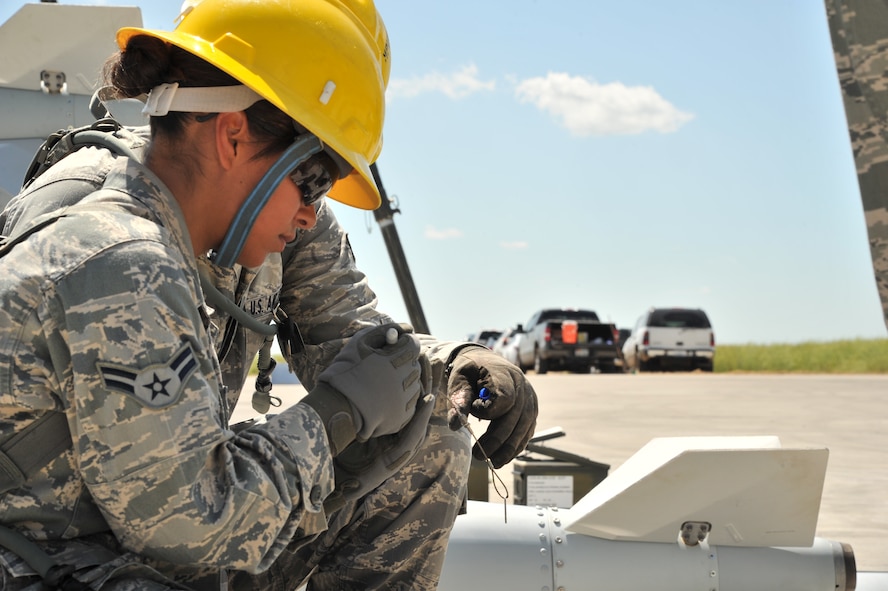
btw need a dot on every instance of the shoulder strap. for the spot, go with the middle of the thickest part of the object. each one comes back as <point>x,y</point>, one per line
<point>28,451</point>
<point>66,141</point>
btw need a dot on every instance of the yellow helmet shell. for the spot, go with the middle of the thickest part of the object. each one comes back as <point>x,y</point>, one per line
<point>323,62</point>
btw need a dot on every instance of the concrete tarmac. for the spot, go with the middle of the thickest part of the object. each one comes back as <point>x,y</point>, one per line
<point>607,418</point>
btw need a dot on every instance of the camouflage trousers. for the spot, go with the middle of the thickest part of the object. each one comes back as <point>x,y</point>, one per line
<point>95,568</point>
<point>395,538</point>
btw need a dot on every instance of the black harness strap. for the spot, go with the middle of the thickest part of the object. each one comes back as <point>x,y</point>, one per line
<point>28,451</point>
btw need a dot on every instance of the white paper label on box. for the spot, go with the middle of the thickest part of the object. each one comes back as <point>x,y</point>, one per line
<point>550,491</point>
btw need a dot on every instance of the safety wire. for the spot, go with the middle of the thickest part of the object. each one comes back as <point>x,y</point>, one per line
<point>499,486</point>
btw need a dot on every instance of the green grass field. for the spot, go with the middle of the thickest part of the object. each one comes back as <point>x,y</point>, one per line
<point>851,356</point>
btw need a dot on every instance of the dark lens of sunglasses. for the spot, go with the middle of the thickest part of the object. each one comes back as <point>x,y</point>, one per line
<point>314,177</point>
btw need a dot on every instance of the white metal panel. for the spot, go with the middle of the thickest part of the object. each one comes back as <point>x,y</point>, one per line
<point>72,39</point>
<point>15,156</point>
<point>33,114</point>
<point>533,551</point>
<point>751,491</point>
<point>487,552</point>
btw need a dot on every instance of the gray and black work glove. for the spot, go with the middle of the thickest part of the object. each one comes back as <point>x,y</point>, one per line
<point>364,465</point>
<point>372,387</point>
<point>485,385</point>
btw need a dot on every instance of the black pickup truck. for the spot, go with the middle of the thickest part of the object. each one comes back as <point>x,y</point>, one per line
<point>569,339</point>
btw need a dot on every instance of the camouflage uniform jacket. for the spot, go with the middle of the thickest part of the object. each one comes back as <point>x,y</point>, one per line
<point>103,319</point>
<point>317,283</point>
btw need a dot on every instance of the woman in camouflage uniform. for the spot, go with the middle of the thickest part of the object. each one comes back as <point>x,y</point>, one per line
<point>146,486</point>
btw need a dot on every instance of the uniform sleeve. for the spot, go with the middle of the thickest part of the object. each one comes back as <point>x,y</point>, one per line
<point>330,299</point>
<point>149,423</point>
<point>325,293</point>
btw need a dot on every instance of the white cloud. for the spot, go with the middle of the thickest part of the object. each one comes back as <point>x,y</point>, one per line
<point>445,234</point>
<point>515,245</point>
<point>586,108</point>
<point>456,85</point>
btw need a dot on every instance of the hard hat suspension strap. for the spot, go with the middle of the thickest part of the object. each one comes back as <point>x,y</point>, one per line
<point>300,151</point>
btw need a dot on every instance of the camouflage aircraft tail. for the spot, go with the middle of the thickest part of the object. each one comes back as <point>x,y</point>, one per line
<point>859,32</point>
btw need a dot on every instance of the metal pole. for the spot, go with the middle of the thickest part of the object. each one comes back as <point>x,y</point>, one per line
<point>384,215</point>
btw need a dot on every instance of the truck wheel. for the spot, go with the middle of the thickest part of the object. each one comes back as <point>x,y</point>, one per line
<point>640,365</point>
<point>540,365</point>
<point>607,368</point>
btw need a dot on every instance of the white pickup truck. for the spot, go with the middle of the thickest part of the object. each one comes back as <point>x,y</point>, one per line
<point>670,338</point>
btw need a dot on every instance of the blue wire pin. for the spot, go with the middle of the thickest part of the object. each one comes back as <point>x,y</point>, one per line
<point>484,394</point>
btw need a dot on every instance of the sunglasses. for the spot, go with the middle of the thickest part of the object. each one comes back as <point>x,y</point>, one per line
<point>315,177</point>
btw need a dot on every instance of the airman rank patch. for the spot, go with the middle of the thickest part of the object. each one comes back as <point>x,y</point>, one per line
<point>155,386</point>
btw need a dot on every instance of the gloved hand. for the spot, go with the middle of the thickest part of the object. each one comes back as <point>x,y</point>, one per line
<point>509,402</point>
<point>364,465</point>
<point>372,386</point>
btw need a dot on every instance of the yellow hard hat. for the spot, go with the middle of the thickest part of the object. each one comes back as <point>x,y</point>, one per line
<point>323,62</point>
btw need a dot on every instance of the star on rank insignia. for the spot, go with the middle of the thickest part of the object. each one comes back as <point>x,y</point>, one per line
<point>155,386</point>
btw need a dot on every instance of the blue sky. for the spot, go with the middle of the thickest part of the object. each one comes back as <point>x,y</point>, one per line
<point>616,156</point>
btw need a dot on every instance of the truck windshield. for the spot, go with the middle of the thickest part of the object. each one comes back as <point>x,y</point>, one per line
<point>578,315</point>
<point>679,319</point>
